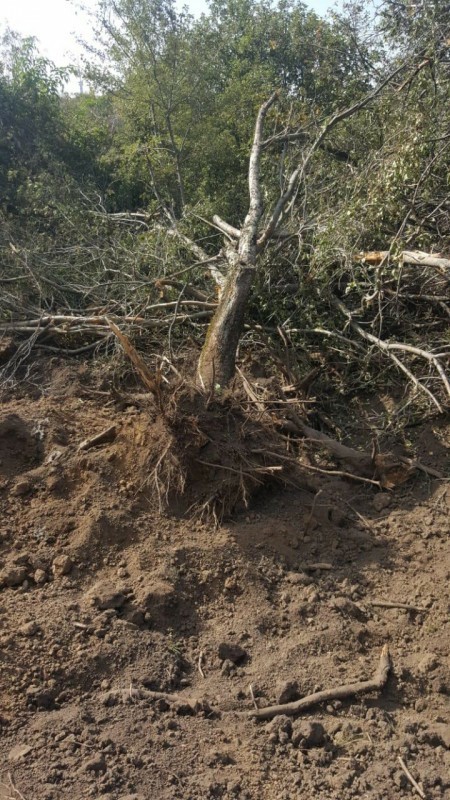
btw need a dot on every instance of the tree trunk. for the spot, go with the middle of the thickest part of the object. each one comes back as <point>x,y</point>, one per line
<point>216,365</point>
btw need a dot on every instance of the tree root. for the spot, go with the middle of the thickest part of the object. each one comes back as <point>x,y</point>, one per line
<point>375,684</point>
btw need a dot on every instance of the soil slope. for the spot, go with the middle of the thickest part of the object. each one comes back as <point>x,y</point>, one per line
<point>104,599</point>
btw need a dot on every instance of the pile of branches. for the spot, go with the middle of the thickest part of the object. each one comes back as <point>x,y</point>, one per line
<point>146,277</point>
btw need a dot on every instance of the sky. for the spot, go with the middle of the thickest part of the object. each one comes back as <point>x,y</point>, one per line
<point>58,23</point>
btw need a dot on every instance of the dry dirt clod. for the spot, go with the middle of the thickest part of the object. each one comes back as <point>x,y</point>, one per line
<point>95,763</point>
<point>428,663</point>
<point>228,668</point>
<point>131,797</point>
<point>29,629</point>
<point>381,501</point>
<point>308,734</point>
<point>21,488</point>
<point>110,600</point>
<point>299,578</point>
<point>13,576</point>
<point>288,691</point>
<point>61,565</point>
<point>40,576</point>
<point>19,752</point>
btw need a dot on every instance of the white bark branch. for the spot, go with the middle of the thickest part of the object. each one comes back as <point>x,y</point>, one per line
<point>226,228</point>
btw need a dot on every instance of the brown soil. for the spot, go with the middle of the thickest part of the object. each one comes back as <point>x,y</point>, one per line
<point>103,598</point>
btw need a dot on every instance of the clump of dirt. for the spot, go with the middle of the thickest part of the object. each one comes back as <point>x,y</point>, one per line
<point>135,641</point>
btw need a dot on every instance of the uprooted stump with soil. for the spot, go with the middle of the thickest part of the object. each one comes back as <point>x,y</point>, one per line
<point>213,456</point>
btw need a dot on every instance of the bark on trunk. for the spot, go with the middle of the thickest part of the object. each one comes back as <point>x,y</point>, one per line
<point>218,357</point>
<point>217,361</point>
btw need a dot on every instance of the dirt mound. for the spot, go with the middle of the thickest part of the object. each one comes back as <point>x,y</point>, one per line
<point>134,642</point>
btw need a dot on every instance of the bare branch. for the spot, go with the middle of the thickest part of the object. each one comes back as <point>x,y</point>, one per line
<point>297,175</point>
<point>388,347</point>
<point>228,229</point>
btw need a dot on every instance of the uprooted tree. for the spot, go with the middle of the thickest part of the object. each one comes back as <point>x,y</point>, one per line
<point>217,360</point>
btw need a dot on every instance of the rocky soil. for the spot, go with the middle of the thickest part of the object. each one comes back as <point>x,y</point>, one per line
<point>134,643</point>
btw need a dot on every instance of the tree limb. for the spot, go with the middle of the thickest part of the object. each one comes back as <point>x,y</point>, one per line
<point>297,175</point>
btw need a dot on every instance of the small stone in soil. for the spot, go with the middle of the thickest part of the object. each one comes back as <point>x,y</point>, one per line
<point>62,565</point>
<point>287,692</point>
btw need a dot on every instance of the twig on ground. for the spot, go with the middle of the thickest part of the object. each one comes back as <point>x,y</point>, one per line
<point>389,604</point>
<point>252,695</point>
<point>413,783</point>
<point>107,435</point>
<point>428,470</point>
<point>318,565</point>
<point>14,791</point>
<point>363,519</point>
<point>342,474</point>
<point>199,664</point>
<point>313,508</point>
<point>375,684</point>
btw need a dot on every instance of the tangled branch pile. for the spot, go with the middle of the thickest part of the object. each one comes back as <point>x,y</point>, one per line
<point>114,201</point>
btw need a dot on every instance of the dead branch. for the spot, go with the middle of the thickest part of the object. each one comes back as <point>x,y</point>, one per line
<point>148,380</point>
<point>375,684</point>
<point>389,347</point>
<point>107,435</point>
<point>416,257</point>
<point>389,604</point>
<point>125,695</point>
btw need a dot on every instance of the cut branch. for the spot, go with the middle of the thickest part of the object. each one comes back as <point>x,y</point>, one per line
<point>416,257</point>
<point>228,229</point>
